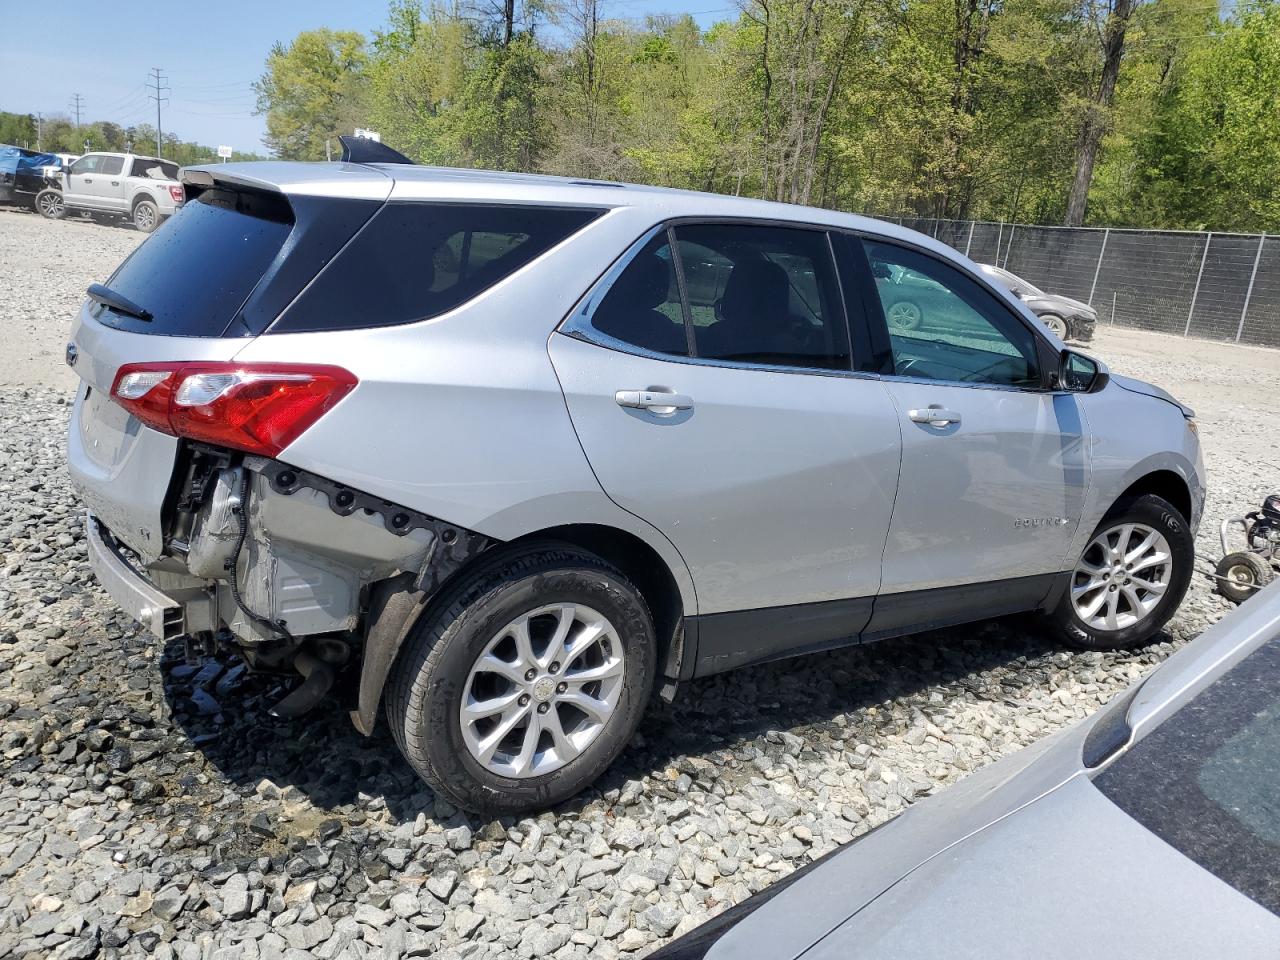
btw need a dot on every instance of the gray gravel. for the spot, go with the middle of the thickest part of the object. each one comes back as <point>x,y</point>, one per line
<point>150,807</point>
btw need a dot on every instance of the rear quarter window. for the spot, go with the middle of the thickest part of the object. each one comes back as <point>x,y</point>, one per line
<point>414,261</point>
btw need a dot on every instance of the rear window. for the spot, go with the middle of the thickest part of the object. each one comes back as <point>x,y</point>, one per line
<point>154,169</point>
<point>1205,781</point>
<point>414,261</point>
<point>197,270</point>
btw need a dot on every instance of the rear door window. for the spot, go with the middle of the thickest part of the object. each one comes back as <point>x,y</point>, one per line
<point>111,166</point>
<point>414,261</point>
<point>1205,781</point>
<point>195,274</point>
<point>765,295</point>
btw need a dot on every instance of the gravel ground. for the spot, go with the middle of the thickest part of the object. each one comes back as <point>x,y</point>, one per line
<point>150,807</point>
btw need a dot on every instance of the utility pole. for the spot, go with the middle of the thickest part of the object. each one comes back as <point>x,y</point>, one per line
<point>156,84</point>
<point>77,105</point>
<point>39,131</point>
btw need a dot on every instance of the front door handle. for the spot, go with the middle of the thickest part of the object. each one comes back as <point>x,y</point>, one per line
<point>115,183</point>
<point>87,180</point>
<point>935,416</point>
<point>653,400</point>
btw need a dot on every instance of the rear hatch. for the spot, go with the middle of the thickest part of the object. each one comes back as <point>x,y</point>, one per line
<point>207,283</point>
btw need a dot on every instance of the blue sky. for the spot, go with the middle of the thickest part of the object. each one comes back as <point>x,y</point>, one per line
<point>210,54</point>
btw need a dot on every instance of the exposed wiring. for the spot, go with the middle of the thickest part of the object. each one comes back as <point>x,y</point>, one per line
<point>242,514</point>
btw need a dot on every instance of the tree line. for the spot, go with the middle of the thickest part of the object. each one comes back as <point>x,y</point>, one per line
<point>58,134</point>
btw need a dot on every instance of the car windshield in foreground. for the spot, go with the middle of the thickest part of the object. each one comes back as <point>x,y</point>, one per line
<point>1207,780</point>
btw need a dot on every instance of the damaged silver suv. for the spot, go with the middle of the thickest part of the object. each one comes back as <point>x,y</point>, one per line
<point>515,454</point>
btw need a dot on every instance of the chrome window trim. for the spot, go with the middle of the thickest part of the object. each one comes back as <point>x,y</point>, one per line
<point>578,322</point>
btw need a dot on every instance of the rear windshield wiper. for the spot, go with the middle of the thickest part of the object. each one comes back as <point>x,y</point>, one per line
<point>120,304</point>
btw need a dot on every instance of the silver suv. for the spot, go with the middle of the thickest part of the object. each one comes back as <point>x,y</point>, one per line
<point>515,453</point>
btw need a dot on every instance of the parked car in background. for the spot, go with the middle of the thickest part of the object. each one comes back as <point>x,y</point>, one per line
<point>64,160</point>
<point>1150,831</point>
<point>519,451</point>
<point>23,174</point>
<point>1068,319</point>
<point>143,190</point>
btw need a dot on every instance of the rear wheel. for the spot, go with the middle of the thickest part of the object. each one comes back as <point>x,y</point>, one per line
<point>1130,578</point>
<point>1241,575</point>
<point>146,217</point>
<point>49,204</point>
<point>521,686</point>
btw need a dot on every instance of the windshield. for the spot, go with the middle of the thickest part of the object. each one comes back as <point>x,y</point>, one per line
<point>1207,780</point>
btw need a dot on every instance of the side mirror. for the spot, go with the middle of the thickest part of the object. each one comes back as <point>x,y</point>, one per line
<point>1081,374</point>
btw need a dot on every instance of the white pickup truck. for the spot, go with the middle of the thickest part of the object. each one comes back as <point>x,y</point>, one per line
<point>144,190</point>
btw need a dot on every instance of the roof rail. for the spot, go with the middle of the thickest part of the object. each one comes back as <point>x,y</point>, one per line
<point>364,150</point>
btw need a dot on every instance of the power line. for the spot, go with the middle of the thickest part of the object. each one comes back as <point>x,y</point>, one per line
<point>156,84</point>
<point>77,105</point>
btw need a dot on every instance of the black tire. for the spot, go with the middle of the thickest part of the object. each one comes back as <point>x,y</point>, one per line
<point>426,686</point>
<point>49,204</point>
<point>146,216</point>
<point>1162,516</point>
<point>1240,575</point>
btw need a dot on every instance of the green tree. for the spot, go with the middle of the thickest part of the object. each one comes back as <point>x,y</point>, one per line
<point>18,129</point>
<point>313,90</point>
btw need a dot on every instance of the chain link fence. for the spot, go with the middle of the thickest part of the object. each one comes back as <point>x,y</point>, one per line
<point>1219,286</point>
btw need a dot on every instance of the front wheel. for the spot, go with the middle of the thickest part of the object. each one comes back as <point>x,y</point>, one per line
<point>522,685</point>
<point>1130,578</point>
<point>50,205</point>
<point>1056,325</point>
<point>146,217</point>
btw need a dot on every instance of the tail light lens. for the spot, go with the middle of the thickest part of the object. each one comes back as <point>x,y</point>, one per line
<point>256,407</point>
<point>175,191</point>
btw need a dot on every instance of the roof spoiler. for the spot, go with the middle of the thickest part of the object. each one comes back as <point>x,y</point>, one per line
<point>364,150</point>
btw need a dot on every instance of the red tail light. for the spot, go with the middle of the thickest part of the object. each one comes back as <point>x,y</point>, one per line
<point>175,191</point>
<point>257,407</point>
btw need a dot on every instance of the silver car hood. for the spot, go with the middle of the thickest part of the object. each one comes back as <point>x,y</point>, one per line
<point>1068,876</point>
<point>1150,390</point>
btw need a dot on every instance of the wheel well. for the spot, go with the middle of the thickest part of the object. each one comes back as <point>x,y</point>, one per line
<point>1167,485</point>
<point>144,196</point>
<point>644,567</point>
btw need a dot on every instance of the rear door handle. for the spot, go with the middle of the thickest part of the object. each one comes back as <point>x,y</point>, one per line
<point>657,401</point>
<point>935,416</point>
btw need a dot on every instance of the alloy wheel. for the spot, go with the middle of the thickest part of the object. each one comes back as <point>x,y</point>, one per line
<point>51,205</point>
<point>904,315</point>
<point>1121,576</point>
<point>542,690</point>
<point>1058,326</point>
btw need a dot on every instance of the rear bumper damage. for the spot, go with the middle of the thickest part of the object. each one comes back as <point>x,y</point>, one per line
<point>157,611</point>
<point>296,571</point>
